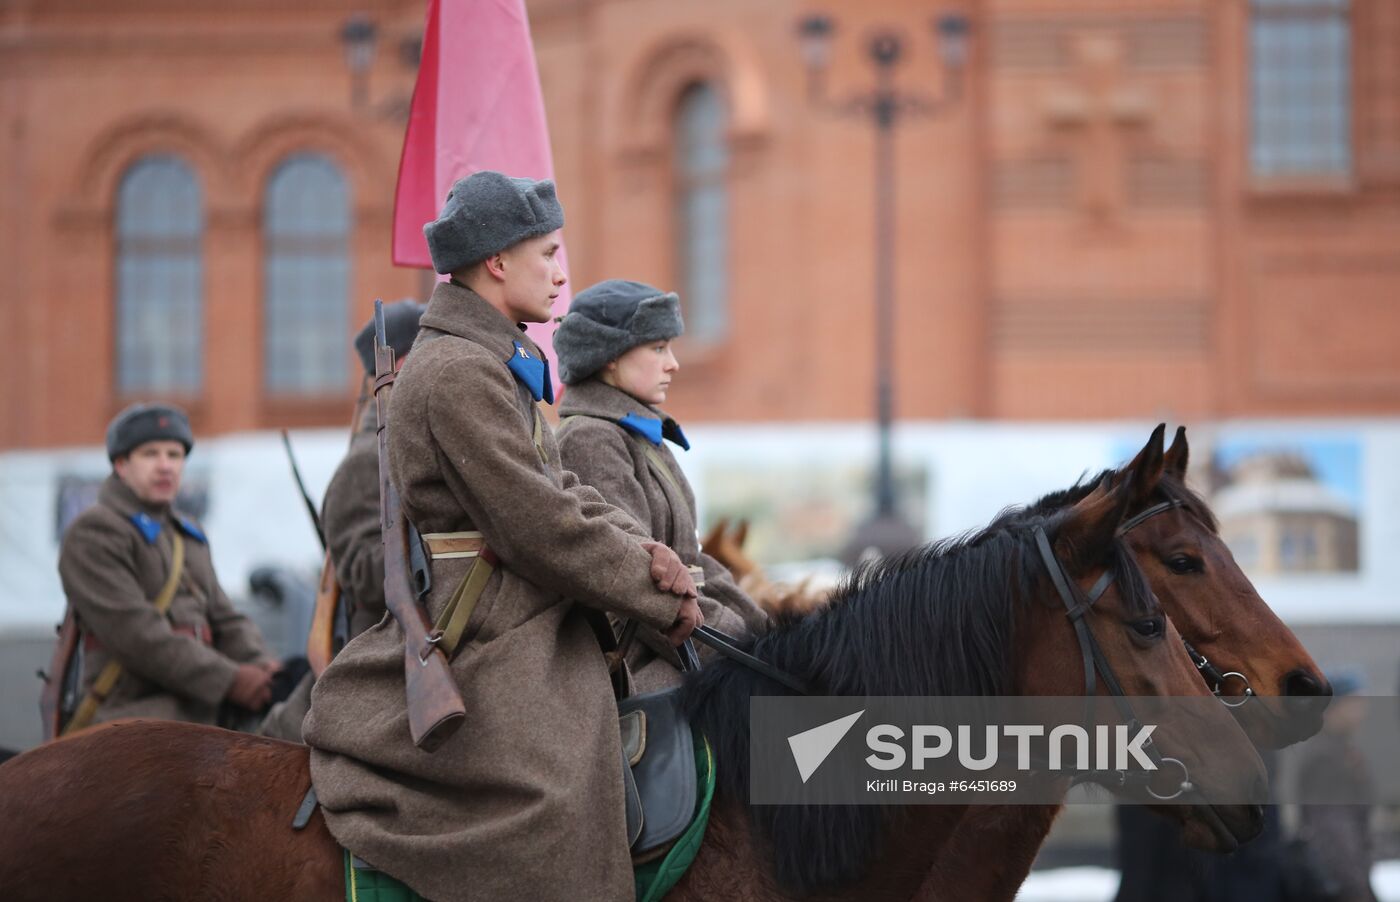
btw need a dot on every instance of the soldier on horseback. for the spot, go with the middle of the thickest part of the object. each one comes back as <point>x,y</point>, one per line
<point>158,636</point>
<point>526,799</point>
<point>350,518</point>
<point>616,357</point>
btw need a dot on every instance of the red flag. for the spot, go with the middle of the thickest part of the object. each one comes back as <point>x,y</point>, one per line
<point>477,105</point>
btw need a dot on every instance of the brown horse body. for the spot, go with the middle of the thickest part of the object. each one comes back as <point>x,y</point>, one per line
<point>148,810</point>
<point>158,810</point>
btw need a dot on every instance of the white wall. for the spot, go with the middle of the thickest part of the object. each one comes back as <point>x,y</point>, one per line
<point>256,517</point>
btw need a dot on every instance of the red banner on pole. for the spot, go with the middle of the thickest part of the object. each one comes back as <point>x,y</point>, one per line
<point>477,105</point>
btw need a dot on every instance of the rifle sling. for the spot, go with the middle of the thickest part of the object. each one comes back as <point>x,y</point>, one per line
<point>452,622</point>
<point>107,679</point>
<point>538,436</point>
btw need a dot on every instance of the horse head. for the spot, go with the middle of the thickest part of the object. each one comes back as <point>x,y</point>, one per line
<point>1246,654</point>
<point>1138,653</point>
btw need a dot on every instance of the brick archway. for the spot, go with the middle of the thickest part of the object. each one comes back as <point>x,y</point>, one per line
<point>662,70</point>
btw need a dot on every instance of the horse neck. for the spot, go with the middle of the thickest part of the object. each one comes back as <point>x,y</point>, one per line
<point>963,868</point>
<point>932,852</point>
<point>734,864</point>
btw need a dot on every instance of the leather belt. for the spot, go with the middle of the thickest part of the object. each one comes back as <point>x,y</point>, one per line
<point>444,545</point>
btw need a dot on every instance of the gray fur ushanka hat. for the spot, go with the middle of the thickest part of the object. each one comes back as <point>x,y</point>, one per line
<point>141,423</point>
<point>487,212</point>
<point>609,319</point>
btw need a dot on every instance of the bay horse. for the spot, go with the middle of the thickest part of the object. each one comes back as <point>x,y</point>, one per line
<point>165,810</point>
<point>1246,655</point>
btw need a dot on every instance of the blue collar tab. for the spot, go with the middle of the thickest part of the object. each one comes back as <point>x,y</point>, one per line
<point>188,527</point>
<point>532,373</point>
<point>654,430</point>
<point>148,525</point>
<point>672,431</point>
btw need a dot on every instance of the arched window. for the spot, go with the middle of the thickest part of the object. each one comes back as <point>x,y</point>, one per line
<point>702,211</point>
<point>160,278</point>
<point>306,230</point>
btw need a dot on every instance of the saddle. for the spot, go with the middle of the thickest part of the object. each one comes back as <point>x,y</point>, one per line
<point>658,772</point>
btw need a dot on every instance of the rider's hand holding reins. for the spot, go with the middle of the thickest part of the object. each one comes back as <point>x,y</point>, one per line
<point>671,575</point>
<point>668,572</point>
<point>252,687</point>
<point>687,619</point>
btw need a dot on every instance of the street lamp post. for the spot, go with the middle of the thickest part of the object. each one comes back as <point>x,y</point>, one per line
<point>358,37</point>
<point>884,105</point>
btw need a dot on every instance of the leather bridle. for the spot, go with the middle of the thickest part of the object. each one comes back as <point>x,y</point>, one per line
<point>1211,673</point>
<point>1078,603</point>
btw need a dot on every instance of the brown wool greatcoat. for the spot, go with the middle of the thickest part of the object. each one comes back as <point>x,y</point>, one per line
<point>350,515</point>
<point>614,460</point>
<point>525,800</point>
<point>111,573</point>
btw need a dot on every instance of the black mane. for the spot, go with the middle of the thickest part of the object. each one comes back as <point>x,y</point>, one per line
<point>1169,488</point>
<point>937,620</point>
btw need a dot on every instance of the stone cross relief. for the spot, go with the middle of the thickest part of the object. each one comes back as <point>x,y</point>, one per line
<point>1100,115</point>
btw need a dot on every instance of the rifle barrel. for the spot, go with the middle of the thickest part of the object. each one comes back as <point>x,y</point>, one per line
<point>305,495</point>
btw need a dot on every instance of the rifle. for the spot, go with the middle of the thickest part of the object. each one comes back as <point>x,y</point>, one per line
<point>59,697</point>
<point>305,496</point>
<point>330,621</point>
<point>435,708</point>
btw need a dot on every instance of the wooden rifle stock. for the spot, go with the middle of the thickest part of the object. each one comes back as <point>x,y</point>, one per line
<point>59,695</point>
<point>321,640</point>
<point>435,708</point>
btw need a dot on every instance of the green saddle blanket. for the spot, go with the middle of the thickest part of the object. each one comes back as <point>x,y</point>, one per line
<point>363,883</point>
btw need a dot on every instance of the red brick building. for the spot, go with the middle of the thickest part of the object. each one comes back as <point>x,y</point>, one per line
<point>1158,207</point>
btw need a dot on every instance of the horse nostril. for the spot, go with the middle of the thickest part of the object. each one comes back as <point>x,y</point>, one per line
<point>1301,682</point>
<point>1306,695</point>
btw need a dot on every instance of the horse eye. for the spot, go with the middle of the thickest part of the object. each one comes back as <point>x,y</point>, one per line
<point>1185,563</point>
<point>1150,628</point>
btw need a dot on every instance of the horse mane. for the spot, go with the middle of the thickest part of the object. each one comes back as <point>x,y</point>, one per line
<point>1169,488</point>
<point>937,620</point>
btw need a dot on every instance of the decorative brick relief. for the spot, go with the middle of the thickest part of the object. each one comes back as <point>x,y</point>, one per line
<point>1098,109</point>
<point>1048,43</point>
<point>1045,182</point>
<point>1109,325</point>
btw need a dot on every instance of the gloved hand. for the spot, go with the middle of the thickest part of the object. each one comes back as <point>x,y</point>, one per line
<point>667,571</point>
<point>687,619</point>
<point>252,687</point>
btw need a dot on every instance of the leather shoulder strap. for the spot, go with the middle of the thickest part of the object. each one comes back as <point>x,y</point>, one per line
<point>102,686</point>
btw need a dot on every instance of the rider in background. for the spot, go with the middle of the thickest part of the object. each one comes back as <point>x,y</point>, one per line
<point>119,557</point>
<point>350,515</point>
<point>616,357</point>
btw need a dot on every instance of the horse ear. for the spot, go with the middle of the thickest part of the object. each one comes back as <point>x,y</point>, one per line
<point>1145,470</point>
<point>711,542</point>
<point>1178,454</point>
<point>741,533</point>
<point>1088,530</point>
